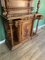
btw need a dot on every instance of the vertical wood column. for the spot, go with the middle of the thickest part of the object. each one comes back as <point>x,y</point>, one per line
<point>11,31</point>
<point>32,26</point>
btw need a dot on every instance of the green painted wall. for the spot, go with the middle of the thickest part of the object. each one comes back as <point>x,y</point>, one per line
<point>41,11</point>
<point>2,35</point>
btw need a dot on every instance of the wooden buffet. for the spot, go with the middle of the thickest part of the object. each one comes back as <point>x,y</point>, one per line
<point>19,21</point>
<point>18,30</point>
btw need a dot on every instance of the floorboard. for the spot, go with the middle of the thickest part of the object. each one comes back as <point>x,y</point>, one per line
<point>31,50</point>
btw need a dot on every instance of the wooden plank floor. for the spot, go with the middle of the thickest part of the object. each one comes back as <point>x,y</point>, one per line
<point>31,50</point>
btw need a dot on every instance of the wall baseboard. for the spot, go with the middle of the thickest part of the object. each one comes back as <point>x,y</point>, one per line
<point>39,27</point>
<point>3,41</point>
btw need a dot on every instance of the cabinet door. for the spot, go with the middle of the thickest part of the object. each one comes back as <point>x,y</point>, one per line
<point>25,30</point>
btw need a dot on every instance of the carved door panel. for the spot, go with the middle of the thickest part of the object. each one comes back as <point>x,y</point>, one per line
<point>25,30</point>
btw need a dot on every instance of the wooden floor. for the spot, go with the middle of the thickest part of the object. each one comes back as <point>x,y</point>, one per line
<point>31,50</point>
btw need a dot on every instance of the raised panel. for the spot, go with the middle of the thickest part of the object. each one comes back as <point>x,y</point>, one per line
<point>16,3</point>
<point>25,28</point>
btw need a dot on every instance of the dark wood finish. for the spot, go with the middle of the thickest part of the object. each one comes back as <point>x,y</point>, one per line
<point>19,26</point>
<point>18,31</point>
